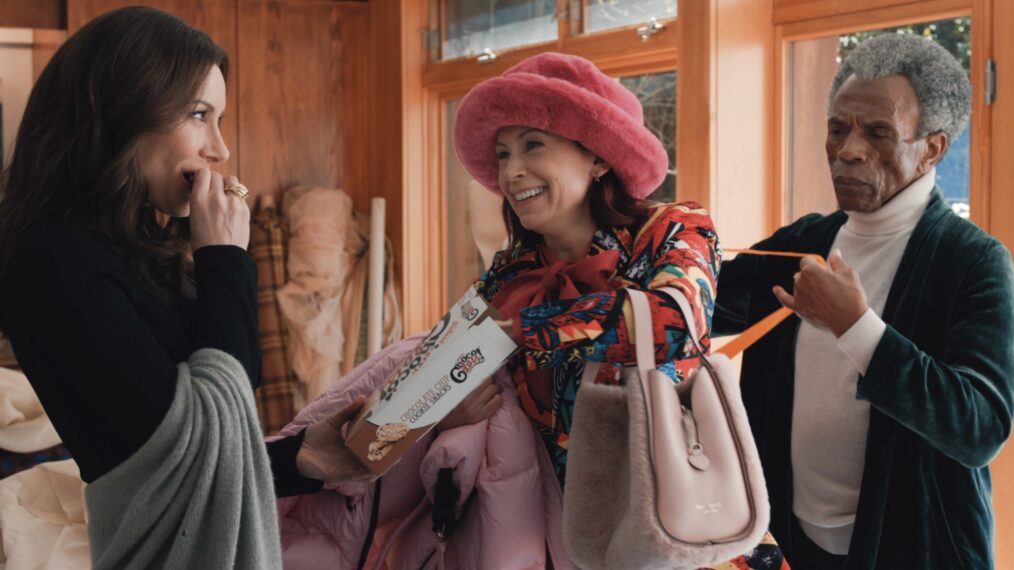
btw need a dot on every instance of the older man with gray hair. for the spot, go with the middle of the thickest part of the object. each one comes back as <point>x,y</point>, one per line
<point>877,412</point>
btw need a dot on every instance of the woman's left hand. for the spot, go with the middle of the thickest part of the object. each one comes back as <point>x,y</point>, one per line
<point>217,217</point>
<point>324,456</point>
<point>480,405</point>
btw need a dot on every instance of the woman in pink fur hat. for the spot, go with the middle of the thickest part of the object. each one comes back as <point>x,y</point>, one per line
<point>566,147</point>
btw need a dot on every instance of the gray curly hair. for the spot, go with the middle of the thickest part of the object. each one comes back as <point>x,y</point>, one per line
<point>945,95</point>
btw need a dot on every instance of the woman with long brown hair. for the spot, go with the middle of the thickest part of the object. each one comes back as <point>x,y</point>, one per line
<point>130,300</point>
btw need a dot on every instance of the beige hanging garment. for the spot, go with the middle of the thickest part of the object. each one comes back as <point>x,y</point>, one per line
<point>43,520</point>
<point>323,303</point>
<point>24,425</point>
<point>318,266</point>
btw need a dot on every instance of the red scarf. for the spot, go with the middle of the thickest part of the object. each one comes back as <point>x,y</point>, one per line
<point>554,281</point>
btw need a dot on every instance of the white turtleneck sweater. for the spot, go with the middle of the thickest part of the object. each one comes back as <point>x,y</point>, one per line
<point>829,424</point>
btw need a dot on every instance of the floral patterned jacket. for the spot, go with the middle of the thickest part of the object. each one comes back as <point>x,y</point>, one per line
<point>675,246</point>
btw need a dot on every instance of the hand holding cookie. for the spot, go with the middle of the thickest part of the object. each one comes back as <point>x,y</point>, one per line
<point>325,457</point>
<point>481,404</point>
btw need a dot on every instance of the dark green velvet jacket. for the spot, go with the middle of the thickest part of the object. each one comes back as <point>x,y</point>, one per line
<point>940,386</point>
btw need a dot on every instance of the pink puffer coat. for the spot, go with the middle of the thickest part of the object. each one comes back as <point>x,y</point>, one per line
<point>512,521</point>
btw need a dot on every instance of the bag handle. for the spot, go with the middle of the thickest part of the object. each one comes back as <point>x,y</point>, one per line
<point>733,348</point>
<point>643,336</point>
<point>747,338</point>
<point>642,321</point>
<point>644,349</point>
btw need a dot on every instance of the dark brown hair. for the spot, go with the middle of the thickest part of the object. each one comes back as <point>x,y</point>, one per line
<point>610,204</point>
<point>126,73</point>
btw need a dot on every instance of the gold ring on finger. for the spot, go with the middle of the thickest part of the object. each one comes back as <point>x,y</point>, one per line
<point>238,189</point>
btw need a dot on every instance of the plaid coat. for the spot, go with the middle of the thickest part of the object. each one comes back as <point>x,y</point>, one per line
<point>277,392</point>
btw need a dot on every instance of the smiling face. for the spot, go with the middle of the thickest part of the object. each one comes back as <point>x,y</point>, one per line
<point>169,158</point>
<point>546,178</point>
<point>872,144</point>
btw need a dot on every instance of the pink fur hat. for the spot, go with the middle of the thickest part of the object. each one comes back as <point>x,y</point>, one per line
<point>567,96</point>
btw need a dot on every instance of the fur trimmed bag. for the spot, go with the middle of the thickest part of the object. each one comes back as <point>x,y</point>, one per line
<point>662,475</point>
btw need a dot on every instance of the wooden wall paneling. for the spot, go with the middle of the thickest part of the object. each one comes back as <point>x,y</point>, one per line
<point>406,165</point>
<point>696,101</point>
<point>385,112</point>
<point>385,142</point>
<point>44,45</point>
<point>778,199</point>
<point>355,86</point>
<point>300,73</point>
<point>1001,210</point>
<point>41,14</point>
<point>878,18</point>
<point>786,11</point>
<point>980,122</point>
<point>1002,167</point>
<point>215,17</point>
<point>743,158</point>
<point>425,209</point>
<point>724,125</point>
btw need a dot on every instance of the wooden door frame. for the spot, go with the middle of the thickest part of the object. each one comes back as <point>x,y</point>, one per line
<point>875,18</point>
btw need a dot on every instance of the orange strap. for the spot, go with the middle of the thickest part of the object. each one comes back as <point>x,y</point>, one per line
<point>762,327</point>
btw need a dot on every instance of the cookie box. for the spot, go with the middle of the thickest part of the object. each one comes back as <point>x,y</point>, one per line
<point>464,348</point>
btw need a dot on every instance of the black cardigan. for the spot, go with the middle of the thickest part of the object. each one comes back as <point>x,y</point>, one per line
<point>101,351</point>
<point>940,386</point>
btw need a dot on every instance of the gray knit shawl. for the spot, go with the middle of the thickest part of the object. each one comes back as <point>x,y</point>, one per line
<point>199,493</point>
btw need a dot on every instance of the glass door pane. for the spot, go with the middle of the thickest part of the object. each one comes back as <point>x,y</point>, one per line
<point>813,64</point>
<point>474,226</point>
<point>657,92</point>
<point>471,26</point>
<point>606,14</point>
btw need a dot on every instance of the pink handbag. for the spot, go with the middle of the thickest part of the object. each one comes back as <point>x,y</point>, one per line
<point>659,474</point>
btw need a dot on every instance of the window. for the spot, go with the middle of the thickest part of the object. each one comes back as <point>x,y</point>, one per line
<point>657,92</point>
<point>473,26</point>
<point>605,14</point>
<point>471,227</point>
<point>813,64</point>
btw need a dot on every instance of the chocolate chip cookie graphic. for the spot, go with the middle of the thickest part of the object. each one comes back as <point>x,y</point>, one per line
<point>379,450</point>
<point>387,436</point>
<point>392,432</point>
